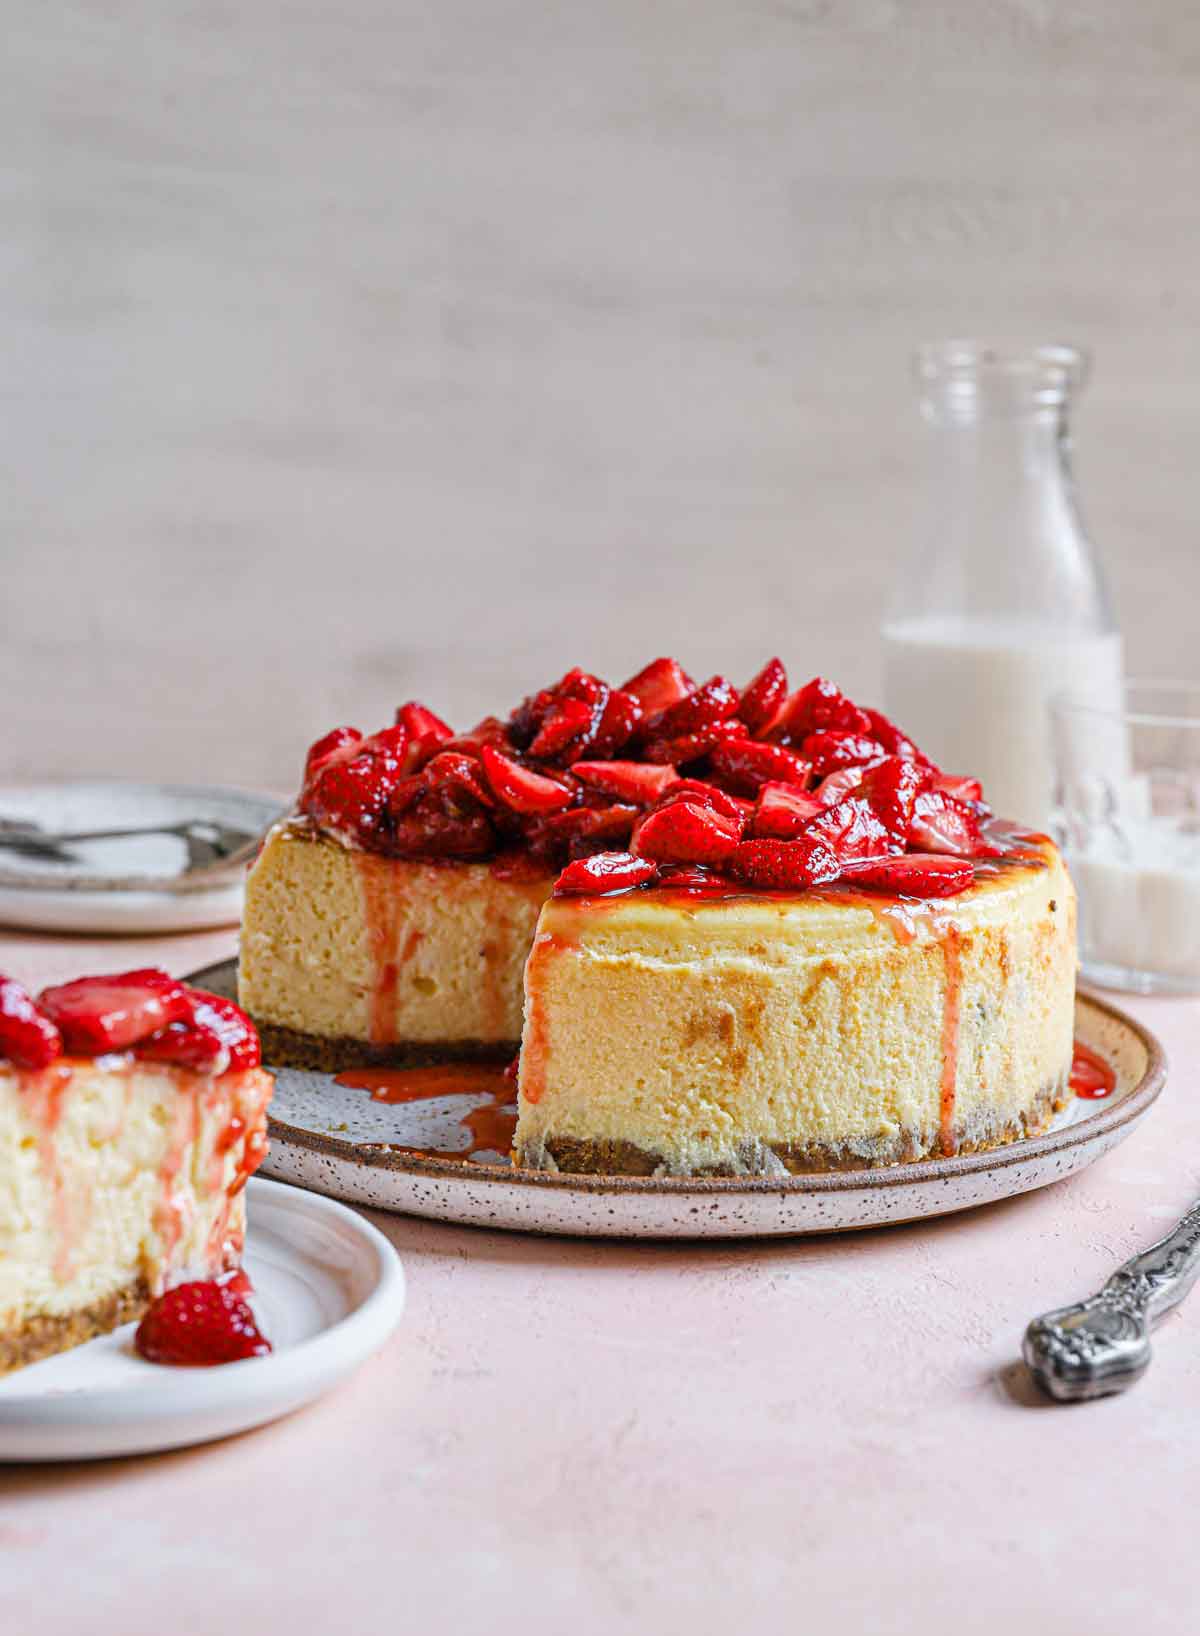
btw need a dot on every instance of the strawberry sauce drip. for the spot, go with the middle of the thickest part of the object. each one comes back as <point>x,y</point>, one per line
<point>546,948</point>
<point>952,949</point>
<point>382,905</point>
<point>45,1092</point>
<point>490,1126</point>
<point>1091,1077</point>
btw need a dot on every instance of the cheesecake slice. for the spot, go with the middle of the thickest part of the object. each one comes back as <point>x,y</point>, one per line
<point>703,1032</point>
<point>132,1112</point>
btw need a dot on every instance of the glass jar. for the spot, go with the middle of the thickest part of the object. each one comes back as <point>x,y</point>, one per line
<point>1004,606</point>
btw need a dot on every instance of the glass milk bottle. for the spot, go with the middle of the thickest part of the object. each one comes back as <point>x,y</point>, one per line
<point>1004,606</point>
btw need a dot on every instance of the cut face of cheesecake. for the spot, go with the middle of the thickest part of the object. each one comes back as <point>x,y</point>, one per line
<point>764,931</point>
<point>120,1175</point>
<point>687,1034</point>
<point>348,956</point>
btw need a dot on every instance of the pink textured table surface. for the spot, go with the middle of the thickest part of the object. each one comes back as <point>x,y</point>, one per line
<point>832,1433</point>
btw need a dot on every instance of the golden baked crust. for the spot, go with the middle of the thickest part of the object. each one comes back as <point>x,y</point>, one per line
<point>44,1335</point>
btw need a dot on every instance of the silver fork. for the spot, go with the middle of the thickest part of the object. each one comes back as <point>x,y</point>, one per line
<point>1102,1345</point>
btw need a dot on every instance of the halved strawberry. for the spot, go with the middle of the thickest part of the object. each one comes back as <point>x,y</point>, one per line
<point>711,795</point>
<point>99,1014</point>
<point>957,788</point>
<point>351,795</point>
<point>566,721</point>
<point>912,877</point>
<point>581,830</point>
<point>491,730</point>
<point>779,865</point>
<point>851,830</point>
<point>27,1038</point>
<point>451,769</point>
<point>941,824</point>
<point>716,700</point>
<point>604,872</point>
<point>429,831</point>
<point>819,707</point>
<point>426,734</point>
<point>838,785</point>
<point>685,832</point>
<point>892,786</point>
<point>231,1024</point>
<point>744,764</point>
<point>893,740</point>
<point>661,684</point>
<point>635,781</point>
<point>782,812</point>
<point>829,752</point>
<point>340,744</point>
<point>618,721</point>
<point>692,878</point>
<point>691,746</point>
<point>763,698</point>
<point>519,788</point>
<point>186,1045</point>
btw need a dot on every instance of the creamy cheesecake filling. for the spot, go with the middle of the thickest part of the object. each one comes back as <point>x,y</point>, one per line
<point>348,956</point>
<point>123,1177</point>
<point>757,1034</point>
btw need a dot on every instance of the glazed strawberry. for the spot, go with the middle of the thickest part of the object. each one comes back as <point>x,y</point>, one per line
<point>783,865</point>
<point>745,764</point>
<point>691,746</point>
<point>452,770</point>
<point>912,877</point>
<point>604,872</point>
<point>892,787</point>
<point>782,812</point>
<point>338,745</point>
<point>895,742</point>
<point>186,1045</point>
<point>830,752</point>
<point>519,788</point>
<point>716,700</point>
<point>763,699</point>
<point>27,1038</point>
<point>660,685</point>
<point>200,1323</point>
<point>427,831</point>
<point>691,878</point>
<point>564,723</point>
<point>958,789</point>
<point>685,832</point>
<point>491,730</point>
<point>426,734</point>
<point>582,830</point>
<point>231,1024</point>
<point>941,824</point>
<point>851,830</point>
<point>619,721</point>
<point>351,795</point>
<point>99,1014</point>
<point>838,785</point>
<point>820,707</point>
<point>710,795</point>
<point>630,780</point>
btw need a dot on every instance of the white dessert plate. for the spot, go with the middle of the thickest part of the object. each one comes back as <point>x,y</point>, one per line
<point>338,1141</point>
<point>328,1291</point>
<point>123,857</point>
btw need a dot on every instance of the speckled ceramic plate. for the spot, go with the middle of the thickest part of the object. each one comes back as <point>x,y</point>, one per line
<point>338,1141</point>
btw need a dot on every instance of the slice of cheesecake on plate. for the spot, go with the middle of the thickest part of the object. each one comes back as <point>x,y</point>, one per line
<point>132,1112</point>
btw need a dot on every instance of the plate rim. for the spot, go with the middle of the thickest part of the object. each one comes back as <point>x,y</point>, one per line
<point>1093,1126</point>
<point>360,1332</point>
<point>21,881</point>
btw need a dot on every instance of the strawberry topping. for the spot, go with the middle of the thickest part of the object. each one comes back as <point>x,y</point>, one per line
<point>200,1323</point>
<point>679,773</point>
<point>99,1014</point>
<point>27,1038</point>
<point>912,876</point>
<point>604,872</point>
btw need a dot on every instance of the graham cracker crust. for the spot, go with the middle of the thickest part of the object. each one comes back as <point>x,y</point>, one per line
<point>620,1158</point>
<point>43,1336</point>
<point>290,1048</point>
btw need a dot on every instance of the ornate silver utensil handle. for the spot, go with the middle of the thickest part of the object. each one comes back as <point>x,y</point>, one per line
<point>1102,1345</point>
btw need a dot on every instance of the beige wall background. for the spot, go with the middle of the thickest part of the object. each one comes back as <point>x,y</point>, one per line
<point>385,347</point>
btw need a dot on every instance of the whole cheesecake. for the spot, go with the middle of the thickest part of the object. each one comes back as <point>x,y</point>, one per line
<point>132,1112</point>
<point>732,931</point>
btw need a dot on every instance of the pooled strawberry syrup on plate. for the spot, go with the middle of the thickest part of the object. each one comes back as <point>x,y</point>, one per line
<point>490,1126</point>
<point>1091,1077</point>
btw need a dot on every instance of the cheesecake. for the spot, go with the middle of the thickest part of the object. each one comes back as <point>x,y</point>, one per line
<point>731,930</point>
<point>132,1113</point>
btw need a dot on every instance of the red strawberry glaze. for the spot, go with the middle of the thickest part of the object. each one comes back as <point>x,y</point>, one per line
<point>490,1125</point>
<point>547,947</point>
<point>1092,1078</point>
<point>382,906</point>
